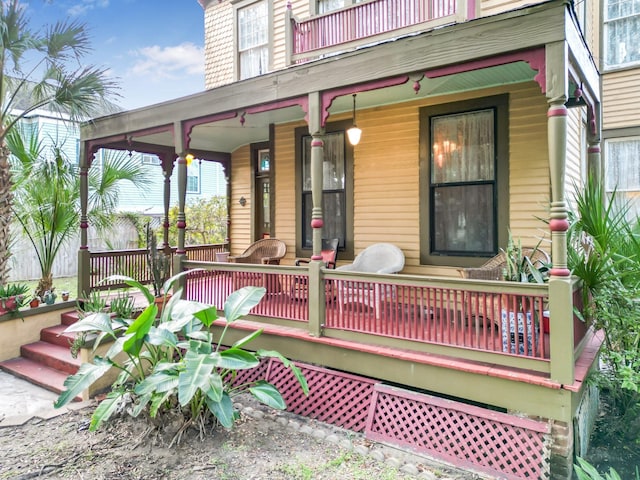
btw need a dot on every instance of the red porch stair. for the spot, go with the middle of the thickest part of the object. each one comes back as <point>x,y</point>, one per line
<point>48,362</point>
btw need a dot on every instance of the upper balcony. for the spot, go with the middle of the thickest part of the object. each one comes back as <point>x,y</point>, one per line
<point>369,22</point>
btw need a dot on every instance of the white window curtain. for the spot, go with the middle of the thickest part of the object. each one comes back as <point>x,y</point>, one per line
<point>253,39</point>
<point>622,32</point>
<point>622,157</point>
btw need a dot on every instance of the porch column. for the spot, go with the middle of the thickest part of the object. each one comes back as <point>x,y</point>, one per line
<point>595,168</point>
<point>316,290</point>
<point>167,170</point>
<point>561,345</point>
<point>84,256</point>
<point>226,168</point>
<point>181,223</point>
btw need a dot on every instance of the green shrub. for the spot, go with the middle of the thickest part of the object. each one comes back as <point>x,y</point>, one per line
<point>172,361</point>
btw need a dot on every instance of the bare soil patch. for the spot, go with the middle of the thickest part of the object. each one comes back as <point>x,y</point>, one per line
<point>264,444</point>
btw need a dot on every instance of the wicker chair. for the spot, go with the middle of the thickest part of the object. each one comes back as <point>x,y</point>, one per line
<point>267,251</point>
<point>329,253</point>
<point>494,268</point>
<point>492,306</point>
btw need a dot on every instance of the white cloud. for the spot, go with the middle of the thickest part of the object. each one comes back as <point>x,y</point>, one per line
<point>86,5</point>
<point>169,62</point>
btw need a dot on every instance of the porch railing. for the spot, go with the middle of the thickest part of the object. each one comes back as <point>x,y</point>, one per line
<point>365,22</point>
<point>504,323</point>
<point>133,263</point>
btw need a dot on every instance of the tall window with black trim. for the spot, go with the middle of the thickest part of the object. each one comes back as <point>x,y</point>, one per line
<point>334,203</point>
<point>464,180</point>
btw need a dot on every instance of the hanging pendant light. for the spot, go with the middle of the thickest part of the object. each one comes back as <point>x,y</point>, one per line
<point>354,133</point>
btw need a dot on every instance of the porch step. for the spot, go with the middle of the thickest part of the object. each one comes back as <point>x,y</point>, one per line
<point>48,362</point>
<point>51,355</point>
<point>56,336</point>
<point>36,373</point>
<point>69,318</point>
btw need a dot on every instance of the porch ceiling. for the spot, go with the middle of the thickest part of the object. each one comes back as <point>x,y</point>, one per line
<point>229,134</point>
<point>240,113</point>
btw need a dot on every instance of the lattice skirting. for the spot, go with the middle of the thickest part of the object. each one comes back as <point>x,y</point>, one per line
<point>498,444</point>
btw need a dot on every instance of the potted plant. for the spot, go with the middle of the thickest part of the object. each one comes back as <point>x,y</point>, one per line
<point>525,265</point>
<point>34,302</point>
<point>50,296</point>
<point>159,266</point>
<point>12,297</point>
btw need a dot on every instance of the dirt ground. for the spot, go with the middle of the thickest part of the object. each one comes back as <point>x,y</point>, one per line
<point>264,444</point>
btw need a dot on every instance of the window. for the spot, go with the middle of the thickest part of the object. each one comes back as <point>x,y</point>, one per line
<point>622,33</point>
<point>193,177</point>
<point>622,171</point>
<point>326,6</point>
<point>253,39</point>
<point>333,189</point>
<point>150,159</point>
<point>337,190</point>
<point>463,181</point>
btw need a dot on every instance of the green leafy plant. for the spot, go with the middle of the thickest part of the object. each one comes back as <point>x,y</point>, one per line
<point>159,264</point>
<point>604,252</point>
<point>122,305</point>
<point>172,362</point>
<point>93,302</point>
<point>12,297</point>
<point>586,471</point>
<point>522,265</point>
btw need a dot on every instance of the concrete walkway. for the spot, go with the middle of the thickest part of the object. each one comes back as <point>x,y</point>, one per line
<point>20,401</point>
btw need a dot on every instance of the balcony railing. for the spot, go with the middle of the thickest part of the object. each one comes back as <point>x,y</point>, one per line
<point>133,263</point>
<point>367,22</point>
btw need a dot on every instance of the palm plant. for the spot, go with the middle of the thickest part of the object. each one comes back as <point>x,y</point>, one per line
<point>47,195</point>
<point>55,79</point>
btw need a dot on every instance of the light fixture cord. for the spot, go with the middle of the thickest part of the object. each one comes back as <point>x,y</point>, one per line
<point>354,109</point>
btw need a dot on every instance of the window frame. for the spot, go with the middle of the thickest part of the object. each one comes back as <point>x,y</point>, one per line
<point>237,6</point>
<point>194,166</point>
<point>606,39</point>
<point>500,104</point>
<point>620,135</point>
<point>346,252</point>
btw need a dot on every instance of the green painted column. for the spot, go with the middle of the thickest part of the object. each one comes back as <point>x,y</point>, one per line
<point>561,344</point>
<point>181,223</point>
<point>84,256</point>
<point>316,297</point>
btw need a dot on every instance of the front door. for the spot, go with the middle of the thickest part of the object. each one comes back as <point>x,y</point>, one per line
<point>263,217</point>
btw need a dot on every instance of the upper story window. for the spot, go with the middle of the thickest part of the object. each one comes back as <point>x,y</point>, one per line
<point>622,167</point>
<point>253,39</point>
<point>326,6</point>
<point>622,33</point>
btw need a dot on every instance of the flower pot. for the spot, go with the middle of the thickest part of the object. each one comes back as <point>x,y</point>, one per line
<point>34,303</point>
<point>65,296</point>
<point>222,257</point>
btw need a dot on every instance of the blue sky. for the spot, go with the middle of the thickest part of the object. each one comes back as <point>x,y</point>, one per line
<point>153,47</point>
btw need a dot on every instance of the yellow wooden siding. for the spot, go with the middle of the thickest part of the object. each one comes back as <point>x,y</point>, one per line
<point>241,179</point>
<point>285,188</point>
<point>218,40</point>
<point>386,177</point>
<point>529,163</point>
<point>620,99</point>
<point>575,151</point>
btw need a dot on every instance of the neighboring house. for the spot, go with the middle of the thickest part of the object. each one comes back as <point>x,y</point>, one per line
<point>477,118</point>
<point>620,68</point>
